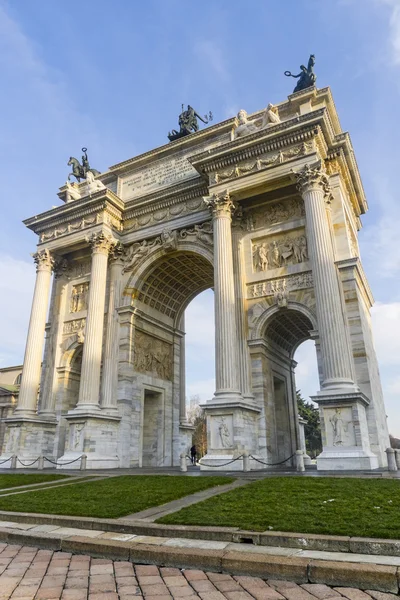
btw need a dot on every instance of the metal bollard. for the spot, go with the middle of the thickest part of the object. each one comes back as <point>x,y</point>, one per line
<point>41,463</point>
<point>183,462</point>
<point>397,457</point>
<point>14,461</point>
<point>83,462</point>
<point>300,461</point>
<point>246,461</point>
<point>392,466</point>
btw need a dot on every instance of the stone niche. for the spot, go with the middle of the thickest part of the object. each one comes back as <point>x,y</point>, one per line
<point>279,250</point>
<point>153,356</point>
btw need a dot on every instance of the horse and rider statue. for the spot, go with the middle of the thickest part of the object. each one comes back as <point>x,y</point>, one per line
<point>79,171</point>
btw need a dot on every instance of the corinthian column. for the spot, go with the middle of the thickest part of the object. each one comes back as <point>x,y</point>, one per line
<point>110,362</point>
<point>89,390</point>
<point>35,341</point>
<point>226,334</point>
<point>335,347</point>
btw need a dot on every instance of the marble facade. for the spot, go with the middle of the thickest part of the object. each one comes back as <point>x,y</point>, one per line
<point>269,220</point>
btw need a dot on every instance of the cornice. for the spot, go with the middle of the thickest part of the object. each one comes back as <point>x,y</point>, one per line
<point>342,143</point>
<point>292,131</point>
<point>100,201</point>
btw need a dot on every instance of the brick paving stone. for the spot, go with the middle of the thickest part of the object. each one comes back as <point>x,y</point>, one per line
<point>182,592</point>
<point>267,593</point>
<point>130,590</point>
<point>228,586</point>
<point>352,593</point>
<point>105,596</point>
<point>238,595</point>
<point>146,570</point>
<point>27,590</point>
<point>320,591</point>
<point>278,584</point>
<point>154,590</point>
<point>76,583</point>
<point>297,594</point>
<point>218,576</point>
<point>50,581</point>
<point>97,588</point>
<point>102,569</point>
<point>194,575</point>
<point>203,585</point>
<point>176,581</point>
<point>149,579</point>
<point>170,572</point>
<point>74,594</point>
<point>156,597</point>
<point>212,596</point>
<point>123,582</point>
<point>48,593</point>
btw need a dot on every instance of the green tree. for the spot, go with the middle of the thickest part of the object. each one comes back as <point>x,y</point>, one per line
<point>312,429</point>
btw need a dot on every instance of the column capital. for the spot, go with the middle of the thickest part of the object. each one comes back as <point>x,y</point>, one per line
<point>44,260</point>
<point>220,205</point>
<point>101,243</point>
<point>117,254</point>
<point>312,177</point>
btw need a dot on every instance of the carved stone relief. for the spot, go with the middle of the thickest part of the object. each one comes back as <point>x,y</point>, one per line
<point>74,326</point>
<point>79,269</point>
<point>278,212</point>
<point>279,252</point>
<point>153,356</point>
<point>222,431</point>
<point>79,297</point>
<point>162,214</point>
<point>268,160</point>
<point>352,240</point>
<point>289,283</point>
<point>13,439</point>
<point>339,427</point>
<point>168,241</point>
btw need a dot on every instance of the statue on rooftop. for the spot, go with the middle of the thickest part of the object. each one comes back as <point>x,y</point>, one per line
<point>306,77</point>
<point>79,171</point>
<point>188,123</point>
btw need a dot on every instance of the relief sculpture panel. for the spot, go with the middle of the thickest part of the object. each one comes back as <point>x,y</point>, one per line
<point>279,252</point>
<point>274,213</point>
<point>153,356</point>
<point>79,297</point>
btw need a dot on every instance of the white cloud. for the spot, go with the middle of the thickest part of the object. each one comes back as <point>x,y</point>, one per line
<point>17,279</point>
<point>386,328</point>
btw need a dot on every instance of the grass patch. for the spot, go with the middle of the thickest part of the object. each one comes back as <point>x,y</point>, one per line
<point>112,497</point>
<point>355,507</point>
<point>17,479</point>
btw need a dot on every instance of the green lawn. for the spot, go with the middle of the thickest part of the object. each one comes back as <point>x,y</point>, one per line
<point>16,479</point>
<point>355,507</point>
<point>111,497</point>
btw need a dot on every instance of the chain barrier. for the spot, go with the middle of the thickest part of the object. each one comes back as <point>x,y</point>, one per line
<point>224,465</point>
<point>272,464</point>
<point>64,463</point>
<point>4,461</point>
<point>27,464</point>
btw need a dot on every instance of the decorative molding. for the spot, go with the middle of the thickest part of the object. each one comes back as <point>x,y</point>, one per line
<point>153,356</point>
<point>74,326</point>
<point>81,224</point>
<point>267,160</point>
<point>201,233</point>
<point>289,284</point>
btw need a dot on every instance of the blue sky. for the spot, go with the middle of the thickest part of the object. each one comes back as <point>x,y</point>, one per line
<point>112,76</point>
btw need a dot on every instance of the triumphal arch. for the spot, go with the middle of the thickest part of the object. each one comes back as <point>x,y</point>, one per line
<point>262,208</point>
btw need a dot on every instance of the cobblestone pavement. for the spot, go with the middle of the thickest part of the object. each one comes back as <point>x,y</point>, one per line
<point>29,573</point>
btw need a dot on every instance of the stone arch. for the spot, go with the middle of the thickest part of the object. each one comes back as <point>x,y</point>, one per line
<point>296,321</point>
<point>168,281</point>
<point>70,350</point>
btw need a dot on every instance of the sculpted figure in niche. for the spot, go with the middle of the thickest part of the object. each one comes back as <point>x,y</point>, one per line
<point>276,255</point>
<point>224,434</point>
<point>338,427</point>
<point>261,258</point>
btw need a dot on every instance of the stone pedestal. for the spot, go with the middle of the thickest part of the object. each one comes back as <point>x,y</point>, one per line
<point>28,439</point>
<point>230,431</point>
<point>302,435</point>
<point>344,434</point>
<point>96,436</point>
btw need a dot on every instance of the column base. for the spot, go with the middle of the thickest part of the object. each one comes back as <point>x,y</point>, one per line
<point>347,459</point>
<point>94,434</point>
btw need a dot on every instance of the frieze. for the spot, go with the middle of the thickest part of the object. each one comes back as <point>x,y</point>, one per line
<point>283,284</point>
<point>278,252</point>
<point>160,214</point>
<point>79,269</point>
<point>278,212</point>
<point>153,356</point>
<point>267,160</point>
<point>74,326</point>
<point>81,224</point>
